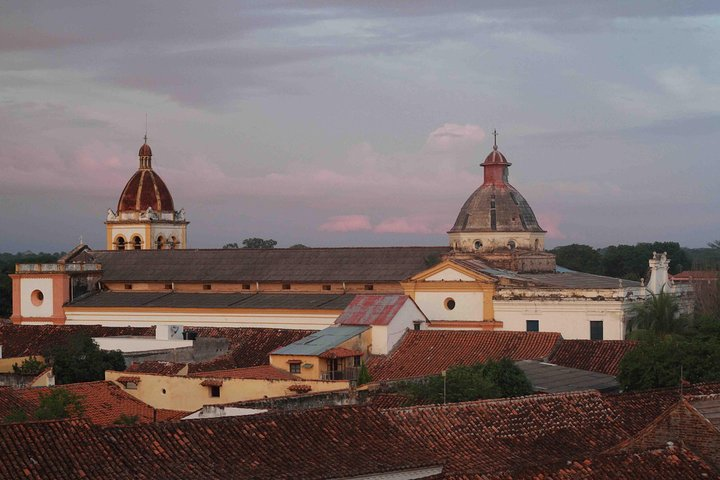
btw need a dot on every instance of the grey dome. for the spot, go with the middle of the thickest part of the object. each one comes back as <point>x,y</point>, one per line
<point>510,210</point>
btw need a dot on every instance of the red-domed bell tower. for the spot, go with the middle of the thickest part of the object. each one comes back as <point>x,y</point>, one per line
<point>146,218</point>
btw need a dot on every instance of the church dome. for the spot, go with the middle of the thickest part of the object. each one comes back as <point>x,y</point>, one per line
<point>496,206</point>
<point>145,189</point>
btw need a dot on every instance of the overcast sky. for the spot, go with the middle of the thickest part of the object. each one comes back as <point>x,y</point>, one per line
<point>330,124</point>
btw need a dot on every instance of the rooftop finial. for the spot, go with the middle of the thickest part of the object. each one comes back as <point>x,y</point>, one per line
<point>495,134</point>
<point>145,137</point>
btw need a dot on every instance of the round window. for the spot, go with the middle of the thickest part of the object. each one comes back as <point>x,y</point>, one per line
<point>37,297</point>
<point>477,244</point>
<point>449,303</point>
<point>511,244</point>
<point>164,391</point>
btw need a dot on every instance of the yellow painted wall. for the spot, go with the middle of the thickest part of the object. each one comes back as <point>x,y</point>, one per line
<point>186,393</point>
<point>6,364</point>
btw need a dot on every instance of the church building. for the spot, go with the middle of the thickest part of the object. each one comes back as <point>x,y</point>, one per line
<point>493,274</point>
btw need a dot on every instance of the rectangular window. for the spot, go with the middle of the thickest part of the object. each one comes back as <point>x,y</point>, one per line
<point>532,325</point>
<point>286,286</point>
<point>356,361</point>
<point>294,368</point>
<point>215,391</point>
<point>596,330</point>
<point>327,287</point>
<point>207,286</point>
<point>369,287</point>
<point>246,286</point>
<point>416,326</point>
<point>168,286</point>
<point>128,286</point>
<point>131,386</point>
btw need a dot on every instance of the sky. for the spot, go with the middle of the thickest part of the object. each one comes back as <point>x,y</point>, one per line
<point>360,123</point>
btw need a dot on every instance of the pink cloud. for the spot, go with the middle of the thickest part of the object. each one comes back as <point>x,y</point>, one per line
<point>550,221</point>
<point>413,224</point>
<point>452,135</point>
<point>346,223</point>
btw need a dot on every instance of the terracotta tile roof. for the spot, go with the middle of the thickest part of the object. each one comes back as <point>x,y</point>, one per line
<point>428,352</point>
<point>212,382</point>
<point>340,352</point>
<point>317,265</point>
<point>248,347</point>
<point>665,463</point>
<point>312,444</point>
<point>21,340</point>
<point>372,309</point>
<point>637,410</point>
<point>162,368</point>
<point>688,275</point>
<point>261,372</point>
<point>103,402</point>
<point>128,379</point>
<point>501,435</point>
<point>602,356</point>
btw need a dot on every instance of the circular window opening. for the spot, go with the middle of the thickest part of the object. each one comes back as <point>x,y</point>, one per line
<point>449,303</point>
<point>511,244</point>
<point>37,297</point>
<point>477,244</point>
<point>164,392</point>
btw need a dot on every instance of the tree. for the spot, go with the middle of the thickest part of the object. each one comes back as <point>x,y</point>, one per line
<point>255,242</point>
<point>660,362</point>
<point>29,366</point>
<point>364,375</point>
<point>582,258</point>
<point>124,419</point>
<point>58,404</point>
<point>16,415</point>
<point>299,245</point>
<point>79,359</point>
<point>492,379</point>
<point>658,315</point>
<point>230,245</point>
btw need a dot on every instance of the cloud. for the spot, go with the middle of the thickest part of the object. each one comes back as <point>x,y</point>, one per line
<point>418,224</point>
<point>550,222</point>
<point>451,136</point>
<point>346,223</point>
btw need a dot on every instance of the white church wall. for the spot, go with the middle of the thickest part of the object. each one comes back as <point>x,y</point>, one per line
<point>30,305</point>
<point>132,318</point>
<point>468,305</point>
<point>571,318</point>
<point>385,337</point>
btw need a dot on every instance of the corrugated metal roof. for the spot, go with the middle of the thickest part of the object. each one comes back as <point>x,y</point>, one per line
<point>550,378</point>
<point>372,309</point>
<point>379,264</point>
<point>322,341</point>
<point>294,301</point>
<point>577,280</point>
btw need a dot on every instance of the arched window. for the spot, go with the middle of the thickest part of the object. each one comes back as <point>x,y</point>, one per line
<point>120,242</point>
<point>173,242</point>
<point>477,245</point>
<point>137,242</point>
<point>537,244</point>
<point>160,242</point>
<point>511,244</point>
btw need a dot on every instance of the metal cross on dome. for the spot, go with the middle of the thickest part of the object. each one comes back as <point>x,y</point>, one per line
<point>495,135</point>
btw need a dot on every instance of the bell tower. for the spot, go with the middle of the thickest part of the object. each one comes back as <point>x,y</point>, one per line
<point>146,218</point>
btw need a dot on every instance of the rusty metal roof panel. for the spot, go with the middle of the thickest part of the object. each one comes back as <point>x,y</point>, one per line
<point>372,309</point>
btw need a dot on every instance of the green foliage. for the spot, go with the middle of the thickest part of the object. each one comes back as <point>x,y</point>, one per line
<point>658,315</point>
<point>29,366</point>
<point>364,375</point>
<point>582,258</point>
<point>124,419</point>
<point>620,261</point>
<point>80,359</point>
<point>464,383</point>
<point>230,245</point>
<point>657,362</point>
<point>59,403</point>
<point>7,266</point>
<point>299,245</point>
<point>15,416</point>
<point>259,243</point>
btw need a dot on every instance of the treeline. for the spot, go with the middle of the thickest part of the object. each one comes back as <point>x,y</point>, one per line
<point>7,266</point>
<point>631,261</point>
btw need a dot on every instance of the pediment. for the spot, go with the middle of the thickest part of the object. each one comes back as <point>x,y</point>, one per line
<point>448,271</point>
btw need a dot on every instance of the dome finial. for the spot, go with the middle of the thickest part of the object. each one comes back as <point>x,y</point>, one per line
<point>495,135</point>
<point>145,137</point>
